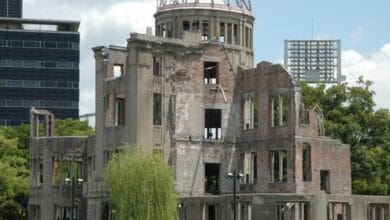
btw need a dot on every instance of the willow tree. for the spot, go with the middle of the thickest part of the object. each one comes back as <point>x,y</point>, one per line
<point>141,186</point>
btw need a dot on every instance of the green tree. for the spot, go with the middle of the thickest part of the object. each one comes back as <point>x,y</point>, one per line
<point>351,117</point>
<point>141,186</point>
<point>13,179</point>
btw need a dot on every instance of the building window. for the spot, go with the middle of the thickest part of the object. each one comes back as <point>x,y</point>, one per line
<point>292,210</point>
<point>56,177</point>
<point>279,110</point>
<point>235,35</point>
<point>210,72</point>
<point>222,32</point>
<point>119,111</point>
<point>338,211</point>
<point>195,26</point>
<point>212,178</point>
<point>278,166</point>
<point>249,167</point>
<point>325,181</point>
<point>250,113</point>
<point>229,33</point>
<point>378,212</point>
<point>40,172</point>
<point>306,162</point>
<point>212,129</point>
<point>157,109</point>
<point>186,25</point>
<point>205,30</point>
<point>211,212</point>
<point>117,70</point>
<point>157,61</point>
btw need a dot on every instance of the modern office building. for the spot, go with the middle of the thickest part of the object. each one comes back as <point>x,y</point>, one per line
<point>11,8</point>
<point>39,65</point>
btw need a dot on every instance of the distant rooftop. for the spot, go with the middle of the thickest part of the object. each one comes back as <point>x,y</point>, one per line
<point>38,24</point>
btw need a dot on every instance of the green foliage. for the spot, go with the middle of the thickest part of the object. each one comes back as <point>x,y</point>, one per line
<point>13,179</point>
<point>70,127</point>
<point>350,116</point>
<point>141,186</point>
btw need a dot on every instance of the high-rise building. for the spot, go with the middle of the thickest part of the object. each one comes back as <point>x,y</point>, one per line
<point>314,61</point>
<point>39,65</point>
<point>11,8</point>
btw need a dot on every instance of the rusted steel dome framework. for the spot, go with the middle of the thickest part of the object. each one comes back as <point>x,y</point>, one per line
<point>226,22</point>
<point>236,3</point>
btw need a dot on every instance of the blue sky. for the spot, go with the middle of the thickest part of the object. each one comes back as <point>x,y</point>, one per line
<point>363,26</point>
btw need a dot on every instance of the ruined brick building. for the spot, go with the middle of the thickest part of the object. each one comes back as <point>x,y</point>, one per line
<point>191,94</point>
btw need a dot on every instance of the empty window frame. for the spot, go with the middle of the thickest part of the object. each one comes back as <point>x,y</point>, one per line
<point>157,65</point>
<point>306,162</point>
<point>210,70</point>
<point>211,212</point>
<point>195,26</point>
<point>377,211</point>
<point>205,31</point>
<point>249,167</point>
<point>293,210</point>
<point>212,129</point>
<point>186,26</point>
<point>117,70</point>
<point>279,110</point>
<point>229,33</point>
<point>338,211</point>
<point>278,160</point>
<point>212,178</point>
<point>250,113</point>
<point>235,35</point>
<point>222,32</point>
<point>56,175</point>
<point>40,172</point>
<point>157,106</point>
<point>119,111</point>
<point>325,181</point>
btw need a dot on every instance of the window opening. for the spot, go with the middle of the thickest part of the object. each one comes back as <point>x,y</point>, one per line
<point>229,33</point>
<point>186,25</point>
<point>279,110</point>
<point>212,128</point>
<point>205,30</point>
<point>222,32</point>
<point>117,70</point>
<point>325,181</point>
<point>250,113</point>
<point>211,212</point>
<point>195,26</point>
<point>119,111</point>
<point>306,162</point>
<point>212,178</point>
<point>249,167</point>
<point>40,171</point>
<point>210,72</point>
<point>338,211</point>
<point>157,66</point>
<point>278,166</point>
<point>235,34</point>
<point>378,212</point>
<point>157,109</point>
<point>56,172</point>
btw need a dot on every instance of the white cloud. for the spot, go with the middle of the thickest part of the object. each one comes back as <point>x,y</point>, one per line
<point>374,67</point>
<point>102,23</point>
